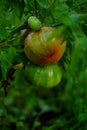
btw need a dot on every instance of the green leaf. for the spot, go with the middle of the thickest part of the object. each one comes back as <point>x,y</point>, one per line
<point>44,3</point>
<point>48,20</point>
<point>20,124</point>
<point>19,78</point>
<point>66,20</point>
<point>36,124</point>
<point>81,43</point>
<point>11,54</point>
<point>59,9</point>
<point>7,58</point>
<point>3,32</point>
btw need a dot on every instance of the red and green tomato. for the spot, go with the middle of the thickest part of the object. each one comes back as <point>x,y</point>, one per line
<point>45,46</point>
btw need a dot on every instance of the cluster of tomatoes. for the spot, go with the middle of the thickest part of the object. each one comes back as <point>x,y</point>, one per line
<point>44,46</point>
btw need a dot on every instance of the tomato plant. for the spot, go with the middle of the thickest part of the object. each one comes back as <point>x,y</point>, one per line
<point>43,66</point>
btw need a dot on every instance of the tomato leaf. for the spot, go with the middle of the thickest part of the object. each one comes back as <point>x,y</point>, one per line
<point>7,58</point>
<point>44,3</point>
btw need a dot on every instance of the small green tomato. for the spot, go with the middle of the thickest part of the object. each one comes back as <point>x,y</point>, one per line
<point>34,23</point>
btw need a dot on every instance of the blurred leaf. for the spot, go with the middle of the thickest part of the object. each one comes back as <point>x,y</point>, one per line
<point>18,8</point>
<point>20,124</point>
<point>81,43</point>
<point>48,20</point>
<point>66,20</point>
<point>36,124</point>
<point>59,9</point>
<point>45,3</point>
<point>11,54</point>
<point>19,78</point>
<point>7,58</point>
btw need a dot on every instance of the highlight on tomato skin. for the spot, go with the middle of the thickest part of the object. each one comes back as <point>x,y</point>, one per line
<point>44,46</point>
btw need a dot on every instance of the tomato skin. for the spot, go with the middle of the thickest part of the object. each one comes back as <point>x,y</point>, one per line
<point>44,76</point>
<point>34,23</point>
<point>45,46</point>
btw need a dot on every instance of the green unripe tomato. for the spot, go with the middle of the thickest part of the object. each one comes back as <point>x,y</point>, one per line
<point>44,76</point>
<point>34,23</point>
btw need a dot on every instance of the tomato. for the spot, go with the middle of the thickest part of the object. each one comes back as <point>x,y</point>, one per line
<point>44,76</point>
<point>45,46</point>
<point>34,23</point>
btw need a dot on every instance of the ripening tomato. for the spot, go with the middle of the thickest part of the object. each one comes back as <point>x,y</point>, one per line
<point>45,46</point>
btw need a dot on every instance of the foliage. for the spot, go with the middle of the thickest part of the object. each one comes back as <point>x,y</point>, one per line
<point>28,107</point>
